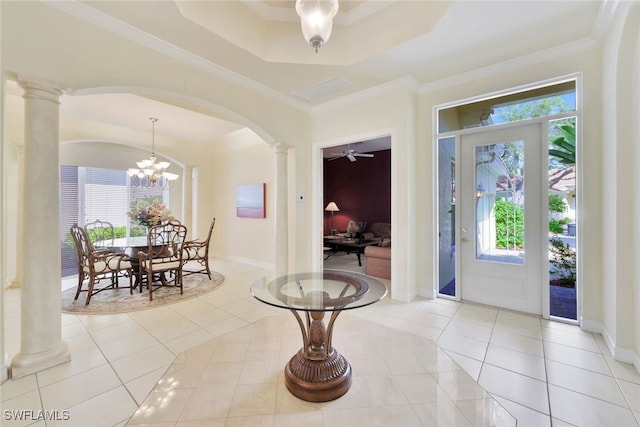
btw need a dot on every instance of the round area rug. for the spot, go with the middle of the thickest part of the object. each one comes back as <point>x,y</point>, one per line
<point>120,301</point>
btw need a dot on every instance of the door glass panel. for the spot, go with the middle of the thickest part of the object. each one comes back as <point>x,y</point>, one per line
<point>499,185</point>
<point>562,218</point>
<point>446,216</point>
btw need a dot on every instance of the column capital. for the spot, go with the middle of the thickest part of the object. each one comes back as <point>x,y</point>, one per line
<point>280,148</point>
<point>40,89</point>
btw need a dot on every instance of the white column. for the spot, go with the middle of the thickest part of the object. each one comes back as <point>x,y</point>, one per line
<point>187,204</point>
<point>281,210</point>
<point>19,153</point>
<point>41,344</point>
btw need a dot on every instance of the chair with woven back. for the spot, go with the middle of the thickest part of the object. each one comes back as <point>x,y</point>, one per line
<point>163,255</point>
<point>96,264</point>
<point>100,233</point>
<point>198,251</point>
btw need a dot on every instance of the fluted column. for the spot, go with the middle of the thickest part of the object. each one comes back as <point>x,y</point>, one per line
<point>281,210</point>
<point>19,159</point>
<point>41,344</point>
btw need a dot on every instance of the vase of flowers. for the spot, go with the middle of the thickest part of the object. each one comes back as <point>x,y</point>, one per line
<point>149,213</point>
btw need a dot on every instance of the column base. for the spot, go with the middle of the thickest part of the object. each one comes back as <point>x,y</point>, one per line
<point>27,364</point>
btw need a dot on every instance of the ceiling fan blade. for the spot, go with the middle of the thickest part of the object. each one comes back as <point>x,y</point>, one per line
<point>351,157</point>
<point>334,158</point>
<point>363,154</point>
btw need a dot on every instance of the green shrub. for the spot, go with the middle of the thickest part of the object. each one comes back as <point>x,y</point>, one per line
<point>565,220</point>
<point>509,224</point>
<point>555,226</point>
<point>556,203</point>
<point>563,259</point>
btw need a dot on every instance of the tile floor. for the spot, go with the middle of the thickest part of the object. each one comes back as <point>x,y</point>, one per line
<point>543,373</point>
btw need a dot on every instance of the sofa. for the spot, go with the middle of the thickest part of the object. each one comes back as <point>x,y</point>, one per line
<point>378,258</point>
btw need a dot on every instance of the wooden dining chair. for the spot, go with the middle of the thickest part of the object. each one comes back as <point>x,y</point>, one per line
<point>162,262</point>
<point>198,251</point>
<point>100,233</point>
<point>97,264</point>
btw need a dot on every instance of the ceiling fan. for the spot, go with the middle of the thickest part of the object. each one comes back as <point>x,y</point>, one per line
<point>350,154</point>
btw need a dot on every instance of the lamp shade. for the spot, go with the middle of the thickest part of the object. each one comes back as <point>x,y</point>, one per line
<point>332,207</point>
<point>316,19</point>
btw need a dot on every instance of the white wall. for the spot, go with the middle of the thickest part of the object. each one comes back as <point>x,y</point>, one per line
<point>241,158</point>
<point>621,140</point>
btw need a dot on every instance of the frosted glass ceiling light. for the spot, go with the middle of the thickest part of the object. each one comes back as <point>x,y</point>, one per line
<point>316,18</point>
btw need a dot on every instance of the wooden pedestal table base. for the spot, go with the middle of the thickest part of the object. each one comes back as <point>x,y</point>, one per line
<point>317,372</point>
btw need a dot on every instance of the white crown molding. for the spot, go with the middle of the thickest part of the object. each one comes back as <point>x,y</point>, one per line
<point>407,82</point>
<point>561,51</point>
<point>116,26</point>
<point>273,13</point>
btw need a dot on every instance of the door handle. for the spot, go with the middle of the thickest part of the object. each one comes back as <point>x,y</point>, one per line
<point>464,240</point>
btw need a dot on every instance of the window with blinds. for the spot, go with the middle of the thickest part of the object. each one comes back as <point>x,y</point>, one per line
<point>88,194</point>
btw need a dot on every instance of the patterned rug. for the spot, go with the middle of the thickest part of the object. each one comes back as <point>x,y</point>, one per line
<point>120,301</point>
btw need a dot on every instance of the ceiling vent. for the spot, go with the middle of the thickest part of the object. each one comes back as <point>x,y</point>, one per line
<point>323,90</point>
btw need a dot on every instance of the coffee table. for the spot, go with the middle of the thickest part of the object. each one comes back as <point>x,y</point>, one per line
<point>317,372</point>
<point>348,245</point>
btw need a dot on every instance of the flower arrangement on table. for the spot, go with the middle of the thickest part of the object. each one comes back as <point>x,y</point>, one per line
<point>148,214</point>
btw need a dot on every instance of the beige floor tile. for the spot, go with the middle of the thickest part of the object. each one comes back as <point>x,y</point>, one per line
<point>397,415</point>
<point>140,387</point>
<point>441,414</point>
<point>20,410</point>
<point>526,417</point>
<point>17,387</point>
<point>307,419</point>
<point>518,342</point>
<point>632,394</point>
<point>463,345</point>
<point>81,361</point>
<point>421,388</point>
<point>128,345</point>
<point>187,341</point>
<point>516,361</point>
<point>105,410</point>
<point>162,406</point>
<point>573,356</point>
<point>143,362</point>
<point>599,386</point>
<point>578,338</point>
<point>580,410</point>
<point>518,388</point>
<point>348,417</point>
<point>79,388</point>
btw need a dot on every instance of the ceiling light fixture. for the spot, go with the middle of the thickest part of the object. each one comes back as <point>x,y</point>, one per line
<point>150,172</point>
<point>316,18</point>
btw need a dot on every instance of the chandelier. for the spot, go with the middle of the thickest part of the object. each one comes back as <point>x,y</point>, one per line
<point>316,18</point>
<point>150,172</point>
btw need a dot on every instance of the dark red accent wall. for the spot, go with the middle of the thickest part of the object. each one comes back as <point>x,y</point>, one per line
<point>361,189</point>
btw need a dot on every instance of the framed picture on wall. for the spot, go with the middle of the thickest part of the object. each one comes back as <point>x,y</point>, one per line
<point>251,200</point>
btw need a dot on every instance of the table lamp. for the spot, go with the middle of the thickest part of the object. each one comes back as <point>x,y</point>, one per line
<point>332,207</point>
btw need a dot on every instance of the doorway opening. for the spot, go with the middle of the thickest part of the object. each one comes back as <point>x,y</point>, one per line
<point>356,191</point>
<point>507,205</point>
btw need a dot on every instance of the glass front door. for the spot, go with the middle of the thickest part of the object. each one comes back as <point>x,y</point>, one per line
<point>501,218</point>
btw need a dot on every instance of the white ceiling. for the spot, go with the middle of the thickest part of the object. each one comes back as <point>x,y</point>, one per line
<point>374,42</point>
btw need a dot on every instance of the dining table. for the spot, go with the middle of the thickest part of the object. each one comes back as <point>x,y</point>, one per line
<point>130,246</point>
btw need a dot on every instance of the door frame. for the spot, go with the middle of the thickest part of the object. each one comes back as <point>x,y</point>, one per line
<point>543,121</point>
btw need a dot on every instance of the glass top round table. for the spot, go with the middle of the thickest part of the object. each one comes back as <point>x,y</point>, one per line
<point>317,372</point>
<point>330,290</point>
